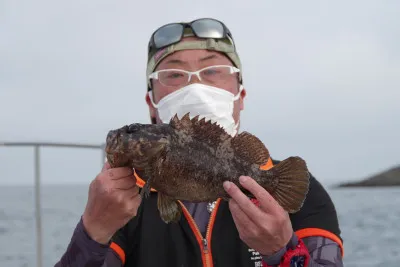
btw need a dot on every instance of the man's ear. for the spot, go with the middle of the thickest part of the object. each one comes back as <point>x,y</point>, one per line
<point>152,110</point>
<point>243,94</point>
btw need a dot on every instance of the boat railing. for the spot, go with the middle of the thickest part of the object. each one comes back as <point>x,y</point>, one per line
<point>37,182</point>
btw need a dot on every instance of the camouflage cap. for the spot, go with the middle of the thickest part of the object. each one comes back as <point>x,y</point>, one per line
<point>220,45</point>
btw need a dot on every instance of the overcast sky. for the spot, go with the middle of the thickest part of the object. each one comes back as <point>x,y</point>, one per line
<point>322,77</point>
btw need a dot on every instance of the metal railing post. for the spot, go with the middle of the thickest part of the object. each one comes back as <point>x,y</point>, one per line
<point>38,209</point>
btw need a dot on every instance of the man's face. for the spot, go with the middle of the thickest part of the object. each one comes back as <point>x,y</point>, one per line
<point>193,60</point>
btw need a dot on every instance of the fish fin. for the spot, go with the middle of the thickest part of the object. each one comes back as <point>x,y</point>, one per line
<point>145,192</point>
<point>180,124</point>
<point>204,131</point>
<point>170,210</point>
<point>148,173</point>
<point>288,183</point>
<point>250,148</point>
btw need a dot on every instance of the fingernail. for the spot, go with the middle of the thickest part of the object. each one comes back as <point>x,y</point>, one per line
<point>227,185</point>
<point>243,179</point>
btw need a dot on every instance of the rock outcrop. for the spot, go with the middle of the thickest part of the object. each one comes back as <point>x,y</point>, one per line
<point>390,177</point>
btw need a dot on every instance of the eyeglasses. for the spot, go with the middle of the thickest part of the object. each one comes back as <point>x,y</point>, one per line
<point>202,28</point>
<point>213,75</point>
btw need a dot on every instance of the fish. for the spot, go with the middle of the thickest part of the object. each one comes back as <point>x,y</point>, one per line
<point>189,159</point>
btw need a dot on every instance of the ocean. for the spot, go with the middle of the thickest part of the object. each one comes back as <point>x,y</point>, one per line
<point>369,220</point>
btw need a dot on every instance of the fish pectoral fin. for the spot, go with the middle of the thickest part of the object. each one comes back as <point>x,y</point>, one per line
<point>288,183</point>
<point>250,148</point>
<point>169,208</point>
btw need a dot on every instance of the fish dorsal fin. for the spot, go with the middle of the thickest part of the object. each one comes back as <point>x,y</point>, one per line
<point>200,129</point>
<point>183,124</point>
<point>250,148</point>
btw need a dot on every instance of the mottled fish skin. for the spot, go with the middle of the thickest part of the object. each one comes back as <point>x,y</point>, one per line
<point>189,159</point>
<point>134,145</point>
<point>196,171</point>
<point>188,169</point>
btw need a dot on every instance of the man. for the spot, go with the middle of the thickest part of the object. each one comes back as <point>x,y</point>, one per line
<point>195,67</point>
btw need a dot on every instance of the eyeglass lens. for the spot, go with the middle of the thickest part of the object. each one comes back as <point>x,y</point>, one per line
<point>168,34</point>
<point>207,28</point>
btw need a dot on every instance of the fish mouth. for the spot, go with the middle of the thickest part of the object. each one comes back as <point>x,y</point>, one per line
<point>119,140</point>
<point>113,140</point>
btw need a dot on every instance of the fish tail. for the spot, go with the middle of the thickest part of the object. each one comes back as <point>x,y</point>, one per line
<point>288,183</point>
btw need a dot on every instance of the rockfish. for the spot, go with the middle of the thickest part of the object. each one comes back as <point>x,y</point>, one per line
<point>189,159</point>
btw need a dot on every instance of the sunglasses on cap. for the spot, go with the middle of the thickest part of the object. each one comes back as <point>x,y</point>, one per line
<point>202,28</point>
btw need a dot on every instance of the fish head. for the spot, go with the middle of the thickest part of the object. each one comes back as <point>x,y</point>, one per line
<point>134,145</point>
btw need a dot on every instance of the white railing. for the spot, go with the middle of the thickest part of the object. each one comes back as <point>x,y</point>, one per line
<point>38,213</point>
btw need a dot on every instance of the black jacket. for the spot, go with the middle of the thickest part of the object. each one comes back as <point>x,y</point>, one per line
<point>147,241</point>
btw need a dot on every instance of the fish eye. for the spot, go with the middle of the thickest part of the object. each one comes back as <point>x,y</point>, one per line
<point>134,128</point>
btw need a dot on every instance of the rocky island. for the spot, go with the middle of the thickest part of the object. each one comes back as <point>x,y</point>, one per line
<point>390,177</point>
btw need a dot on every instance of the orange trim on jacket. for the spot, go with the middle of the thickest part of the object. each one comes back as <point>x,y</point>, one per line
<point>204,242</point>
<point>119,251</point>
<point>140,183</point>
<point>307,232</point>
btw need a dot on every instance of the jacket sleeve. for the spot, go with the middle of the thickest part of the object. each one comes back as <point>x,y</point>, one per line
<point>317,225</point>
<point>318,215</point>
<point>83,251</point>
<point>323,252</point>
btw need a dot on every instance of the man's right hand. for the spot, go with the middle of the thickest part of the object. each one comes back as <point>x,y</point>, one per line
<point>113,200</point>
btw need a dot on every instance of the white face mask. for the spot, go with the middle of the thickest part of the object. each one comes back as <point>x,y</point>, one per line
<point>199,99</point>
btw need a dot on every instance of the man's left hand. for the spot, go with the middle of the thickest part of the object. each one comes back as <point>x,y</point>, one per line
<point>266,228</point>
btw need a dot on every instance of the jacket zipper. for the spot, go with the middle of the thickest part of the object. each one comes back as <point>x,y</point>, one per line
<point>205,245</point>
<point>204,242</point>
